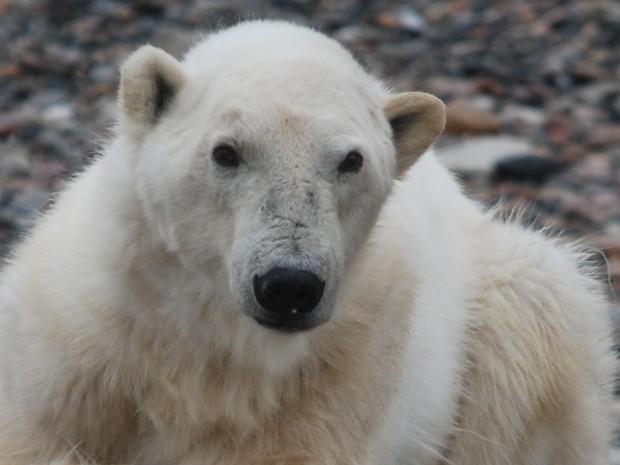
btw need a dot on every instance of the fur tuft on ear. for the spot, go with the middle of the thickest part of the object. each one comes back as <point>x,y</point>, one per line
<point>150,78</point>
<point>417,119</point>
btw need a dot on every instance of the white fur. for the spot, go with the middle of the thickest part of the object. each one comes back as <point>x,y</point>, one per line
<point>127,318</point>
<point>422,413</point>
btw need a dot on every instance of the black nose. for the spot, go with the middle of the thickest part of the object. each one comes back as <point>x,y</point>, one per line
<point>284,290</point>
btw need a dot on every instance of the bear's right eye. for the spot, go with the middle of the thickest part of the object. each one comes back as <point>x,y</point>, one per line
<point>352,162</point>
<point>226,156</point>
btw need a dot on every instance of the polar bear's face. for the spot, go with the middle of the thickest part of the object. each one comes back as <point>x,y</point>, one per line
<point>268,167</point>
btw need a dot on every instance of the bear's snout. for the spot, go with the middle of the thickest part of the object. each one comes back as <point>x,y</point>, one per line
<point>288,294</point>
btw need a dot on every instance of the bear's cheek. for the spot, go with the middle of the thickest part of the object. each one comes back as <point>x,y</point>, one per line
<point>359,204</point>
<point>187,212</point>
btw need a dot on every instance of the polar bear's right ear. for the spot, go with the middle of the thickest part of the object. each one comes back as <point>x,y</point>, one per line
<point>150,79</point>
<point>417,119</point>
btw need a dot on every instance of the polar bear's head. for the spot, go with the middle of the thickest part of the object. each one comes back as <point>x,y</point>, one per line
<point>266,154</point>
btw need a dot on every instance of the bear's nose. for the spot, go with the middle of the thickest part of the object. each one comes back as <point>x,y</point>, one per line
<point>288,291</point>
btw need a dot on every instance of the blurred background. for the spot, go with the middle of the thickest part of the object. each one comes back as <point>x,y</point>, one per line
<point>532,89</point>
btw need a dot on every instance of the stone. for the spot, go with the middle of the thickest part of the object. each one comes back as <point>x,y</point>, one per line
<point>527,168</point>
<point>464,118</point>
<point>481,154</point>
<point>605,135</point>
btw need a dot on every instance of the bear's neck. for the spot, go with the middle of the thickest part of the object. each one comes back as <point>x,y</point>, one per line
<point>221,378</point>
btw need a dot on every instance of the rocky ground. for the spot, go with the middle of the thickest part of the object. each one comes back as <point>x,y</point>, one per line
<point>532,88</point>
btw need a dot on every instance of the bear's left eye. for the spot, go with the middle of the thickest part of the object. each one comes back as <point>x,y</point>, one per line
<point>351,163</point>
<point>225,155</point>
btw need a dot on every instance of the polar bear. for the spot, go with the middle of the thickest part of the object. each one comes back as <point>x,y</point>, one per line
<point>267,266</point>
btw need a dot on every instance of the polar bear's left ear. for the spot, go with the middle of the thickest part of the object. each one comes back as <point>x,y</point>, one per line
<point>417,119</point>
<point>150,79</point>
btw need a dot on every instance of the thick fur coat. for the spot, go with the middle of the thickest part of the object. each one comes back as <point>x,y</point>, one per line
<point>265,267</point>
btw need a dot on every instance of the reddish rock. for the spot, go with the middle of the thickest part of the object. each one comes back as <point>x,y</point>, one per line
<point>560,130</point>
<point>10,71</point>
<point>605,135</point>
<point>463,118</point>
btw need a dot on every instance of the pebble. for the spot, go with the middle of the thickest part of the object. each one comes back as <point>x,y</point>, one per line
<point>521,114</point>
<point>481,154</point>
<point>13,164</point>
<point>605,135</point>
<point>105,73</point>
<point>404,18</point>
<point>58,115</point>
<point>527,168</point>
<point>465,118</point>
<point>450,87</point>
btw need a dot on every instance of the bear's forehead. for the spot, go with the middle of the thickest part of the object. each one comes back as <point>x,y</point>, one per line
<point>280,58</point>
<point>277,75</point>
<point>278,123</point>
<point>290,89</point>
<point>294,81</point>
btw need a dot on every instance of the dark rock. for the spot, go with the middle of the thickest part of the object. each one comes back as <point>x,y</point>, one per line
<point>149,8</point>
<point>527,169</point>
